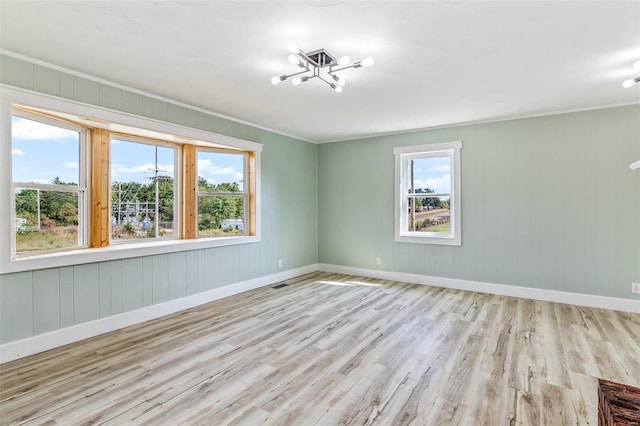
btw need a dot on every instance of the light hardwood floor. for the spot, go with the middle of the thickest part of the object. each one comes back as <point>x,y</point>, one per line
<point>332,349</point>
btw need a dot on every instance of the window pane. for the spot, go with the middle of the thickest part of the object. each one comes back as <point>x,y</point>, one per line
<point>429,214</point>
<point>142,190</point>
<point>220,172</point>
<point>221,215</point>
<point>430,174</point>
<point>46,220</point>
<point>43,153</point>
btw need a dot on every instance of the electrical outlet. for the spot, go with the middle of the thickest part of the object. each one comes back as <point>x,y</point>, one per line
<point>635,287</point>
<point>378,261</point>
<point>279,263</point>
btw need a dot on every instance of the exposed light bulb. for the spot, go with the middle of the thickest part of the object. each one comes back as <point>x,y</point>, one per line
<point>338,89</point>
<point>275,80</point>
<point>636,65</point>
<point>293,48</point>
<point>628,83</point>
<point>366,62</point>
<point>293,59</point>
<point>341,81</point>
<point>296,80</point>
<point>346,60</point>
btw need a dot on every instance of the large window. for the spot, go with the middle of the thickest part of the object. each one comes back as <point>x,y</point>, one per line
<point>49,184</point>
<point>80,184</point>
<point>428,194</point>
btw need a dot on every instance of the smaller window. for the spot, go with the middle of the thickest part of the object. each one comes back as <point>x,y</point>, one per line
<point>428,194</point>
<point>223,199</point>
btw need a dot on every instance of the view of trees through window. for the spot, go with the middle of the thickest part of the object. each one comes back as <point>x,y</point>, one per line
<point>221,196</point>
<point>133,209</point>
<point>142,193</point>
<point>429,187</point>
<point>53,163</point>
<point>45,175</point>
<point>46,219</point>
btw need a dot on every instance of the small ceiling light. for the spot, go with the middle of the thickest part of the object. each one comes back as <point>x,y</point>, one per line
<point>319,64</point>
<point>632,81</point>
<point>297,80</point>
<point>367,62</point>
<point>341,81</point>
<point>293,48</point>
<point>293,59</point>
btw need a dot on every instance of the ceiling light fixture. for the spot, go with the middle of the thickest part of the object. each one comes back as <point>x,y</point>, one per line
<point>632,81</point>
<point>317,61</point>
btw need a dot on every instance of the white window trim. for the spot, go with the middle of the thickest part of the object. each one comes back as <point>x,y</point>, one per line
<point>10,95</point>
<point>440,149</point>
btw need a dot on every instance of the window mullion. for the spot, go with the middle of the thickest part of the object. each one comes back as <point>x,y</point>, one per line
<point>100,189</point>
<point>189,192</point>
<point>49,187</point>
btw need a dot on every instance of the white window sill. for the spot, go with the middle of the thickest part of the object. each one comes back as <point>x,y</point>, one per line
<point>118,251</point>
<point>428,238</point>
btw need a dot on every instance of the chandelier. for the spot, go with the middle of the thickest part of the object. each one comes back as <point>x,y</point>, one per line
<point>312,63</point>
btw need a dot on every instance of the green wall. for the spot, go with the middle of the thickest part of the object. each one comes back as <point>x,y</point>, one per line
<point>547,202</point>
<point>35,302</point>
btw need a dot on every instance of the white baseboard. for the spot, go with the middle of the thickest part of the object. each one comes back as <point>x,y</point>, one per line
<point>593,301</point>
<point>46,341</point>
<point>43,342</point>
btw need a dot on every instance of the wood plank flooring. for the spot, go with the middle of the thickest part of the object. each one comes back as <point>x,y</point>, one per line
<point>330,350</point>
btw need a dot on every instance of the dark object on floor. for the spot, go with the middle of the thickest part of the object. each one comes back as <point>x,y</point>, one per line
<point>618,404</point>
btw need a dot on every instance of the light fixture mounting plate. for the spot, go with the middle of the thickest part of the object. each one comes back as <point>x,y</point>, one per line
<point>321,58</point>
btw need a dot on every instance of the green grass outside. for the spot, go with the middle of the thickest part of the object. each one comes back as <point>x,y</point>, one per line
<point>218,232</point>
<point>47,239</point>
<point>444,227</point>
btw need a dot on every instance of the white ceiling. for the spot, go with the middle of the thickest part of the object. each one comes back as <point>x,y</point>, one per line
<point>437,63</point>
